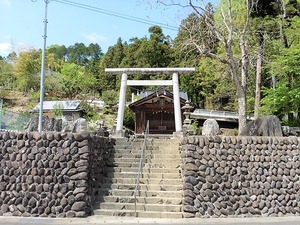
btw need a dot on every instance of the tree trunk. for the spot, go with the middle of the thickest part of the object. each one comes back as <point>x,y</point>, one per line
<point>241,89</point>
<point>258,74</point>
<point>240,85</point>
<point>242,107</point>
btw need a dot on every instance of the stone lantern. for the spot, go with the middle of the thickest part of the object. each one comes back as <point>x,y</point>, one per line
<point>187,123</point>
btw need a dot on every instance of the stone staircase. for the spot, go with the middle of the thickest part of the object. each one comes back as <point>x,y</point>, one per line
<point>160,192</point>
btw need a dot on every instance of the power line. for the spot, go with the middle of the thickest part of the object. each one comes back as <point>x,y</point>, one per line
<point>115,14</point>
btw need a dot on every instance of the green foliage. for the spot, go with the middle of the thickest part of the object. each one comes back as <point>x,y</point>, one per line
<point>154,52</point>
<point>75,80</point>
<point>78,54</point>
<point>58,110</point>
<point>35,96</point>
<point>89,112</point>
<point>7,78</point>
<point>129,119</point>
<point>56,57</point>
<point>2,92</point>
<point>196,128</point>
<point>110,97</point>
<point>59,51</point>
<point>112,59</point>
<point>27,70</point>
<point>78,70</point>
<point>285,97</point>
<point>53,86</point>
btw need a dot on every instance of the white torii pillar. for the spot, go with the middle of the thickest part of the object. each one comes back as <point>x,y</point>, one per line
<point>176,101</point>
<point>122,102</point>
<point>125,82</point>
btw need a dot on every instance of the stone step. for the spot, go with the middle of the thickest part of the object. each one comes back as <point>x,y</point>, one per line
<point>145,170</point>
<point>149,144</point>
<point>146,160</point>
<point>144,175</point>
<point>134,145</point>
<point>141,193</point>
<point>147,155</point>
<point>141,207</point>
<point>126,141</point>
<point>160,189</point>
<point>143,181</point>
<point>133,150</point>
<point>169,165</point>
<point>147,151</point>
<point>142,200</point>
<point>141,214</point>
<point>143,187</point>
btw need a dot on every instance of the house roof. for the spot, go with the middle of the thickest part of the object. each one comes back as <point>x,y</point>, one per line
<point>182,94</point>
<point>63,105</point>
<point>218,115</point>
<point>150,95</point>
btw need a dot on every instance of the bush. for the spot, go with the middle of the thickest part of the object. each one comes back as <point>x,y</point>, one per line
<point>129,119</point>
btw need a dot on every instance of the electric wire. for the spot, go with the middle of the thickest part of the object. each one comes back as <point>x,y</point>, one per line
<point>115,14</point>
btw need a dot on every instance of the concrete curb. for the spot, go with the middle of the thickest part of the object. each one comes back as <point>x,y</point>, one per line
<point>101,220</point>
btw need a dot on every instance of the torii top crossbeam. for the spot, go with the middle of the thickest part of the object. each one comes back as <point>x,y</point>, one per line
<point>149,70</point>
<point>174,82</point>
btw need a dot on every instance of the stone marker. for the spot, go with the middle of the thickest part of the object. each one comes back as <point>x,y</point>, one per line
<point>210,127</point>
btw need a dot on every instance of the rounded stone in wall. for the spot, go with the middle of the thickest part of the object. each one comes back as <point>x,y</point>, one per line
<point>78,206</point>
<point>192,180</point>
<point>70,214</point>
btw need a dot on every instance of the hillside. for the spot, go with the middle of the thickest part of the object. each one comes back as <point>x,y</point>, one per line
<point>17,101</point>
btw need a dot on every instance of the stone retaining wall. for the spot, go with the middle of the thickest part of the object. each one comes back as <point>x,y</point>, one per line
<point>241,176</point>
<point>50,174</point>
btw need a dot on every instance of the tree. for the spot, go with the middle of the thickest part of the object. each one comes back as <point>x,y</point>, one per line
<point>60,52</point>
<point>261,16</point>
<point>7,78</point>
<point>75,80</point>
<point>207,87</point>
<point>226,27</point>
<point>284,99</point>
<point>269,19</point>
<point>284,38</point>
<point>95,54</point>
<point>53,86</point>
<point>112,59</point>
<point>130,60</point>
<point>56,57</point>
<point>78,54</point>
<point>155,51</point>
<point>82,55</point>
<point>27,70</point>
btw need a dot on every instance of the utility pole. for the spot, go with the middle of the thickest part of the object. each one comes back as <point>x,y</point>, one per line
<point>40,128</point>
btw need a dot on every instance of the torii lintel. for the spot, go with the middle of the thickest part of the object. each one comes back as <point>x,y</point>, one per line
<point>150,70</point>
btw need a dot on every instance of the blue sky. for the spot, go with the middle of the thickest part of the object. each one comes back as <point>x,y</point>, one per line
<point>22,27</point>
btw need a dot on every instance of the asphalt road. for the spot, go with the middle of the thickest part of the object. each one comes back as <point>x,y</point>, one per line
<point>95,220</point>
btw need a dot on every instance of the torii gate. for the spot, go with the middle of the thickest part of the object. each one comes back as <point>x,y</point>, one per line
<point>124,82</point>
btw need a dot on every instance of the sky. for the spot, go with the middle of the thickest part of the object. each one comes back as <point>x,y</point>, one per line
<point>81,21</point>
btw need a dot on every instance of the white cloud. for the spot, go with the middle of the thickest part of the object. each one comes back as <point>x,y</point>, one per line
<point>5,49</point>
<point>6,3</point>
<point>94,37</point>
<point>24,47</point>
